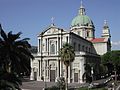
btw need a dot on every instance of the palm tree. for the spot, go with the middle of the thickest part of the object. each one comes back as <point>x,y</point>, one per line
<point>14,54</point>
<point>67,55</point>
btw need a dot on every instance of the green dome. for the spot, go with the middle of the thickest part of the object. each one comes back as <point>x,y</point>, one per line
<point>82,20</point>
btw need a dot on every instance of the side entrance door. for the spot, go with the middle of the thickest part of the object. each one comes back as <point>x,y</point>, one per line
<point>75,77</point>
<point>52,75</point>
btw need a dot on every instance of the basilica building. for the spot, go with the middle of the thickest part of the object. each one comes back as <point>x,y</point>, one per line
<point>47,64</point>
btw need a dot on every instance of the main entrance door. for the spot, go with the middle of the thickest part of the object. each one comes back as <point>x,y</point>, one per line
<point>52,75</point>
<point>75,77</point>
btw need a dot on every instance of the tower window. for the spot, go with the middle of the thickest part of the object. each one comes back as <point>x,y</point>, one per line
<point>86,49</point>
<point>74,46</point>
<point>67,39</point>
<point>78,32</point>
<point>88,34</point>
<point>89,50</point>
<point>78,47</point>
<point>82,48</point>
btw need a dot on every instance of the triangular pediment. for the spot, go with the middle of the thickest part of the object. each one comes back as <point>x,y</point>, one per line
<point>51,30</point>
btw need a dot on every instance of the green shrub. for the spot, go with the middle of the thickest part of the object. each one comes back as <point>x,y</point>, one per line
<point>83,88</point>
<point>61,83</point>
<point>52,88</point>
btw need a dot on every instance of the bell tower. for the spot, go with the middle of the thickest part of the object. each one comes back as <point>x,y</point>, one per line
<point>106,30</point>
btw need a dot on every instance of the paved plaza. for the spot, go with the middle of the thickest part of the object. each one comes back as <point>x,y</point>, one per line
<point>39,85</point>
<point>35,85</point>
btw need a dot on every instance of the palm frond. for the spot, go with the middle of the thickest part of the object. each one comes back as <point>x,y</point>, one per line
<point>9,80</point>
<point>3,35</point>
<point>13,37</point>
<point>67,54</point>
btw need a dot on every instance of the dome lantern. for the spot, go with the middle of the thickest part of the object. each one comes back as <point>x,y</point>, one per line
<point>81,10</point>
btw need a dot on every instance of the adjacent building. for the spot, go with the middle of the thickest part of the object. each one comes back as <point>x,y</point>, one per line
<point>81,35</point>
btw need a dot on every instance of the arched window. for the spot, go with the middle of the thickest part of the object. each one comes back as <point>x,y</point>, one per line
<point>52,49</point>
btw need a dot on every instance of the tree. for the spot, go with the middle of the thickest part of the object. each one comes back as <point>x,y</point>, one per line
<point>14,54</point>
<point>61,83</point>
<point>112,58</point>
<point>9,81</point>
<point>87,74</point>
<point>67,55</point>
<point>103,70</point>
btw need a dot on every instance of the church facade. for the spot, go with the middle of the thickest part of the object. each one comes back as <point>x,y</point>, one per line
<point>47,64</point>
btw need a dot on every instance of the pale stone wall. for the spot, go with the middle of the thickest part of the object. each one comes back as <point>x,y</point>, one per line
<point>101,48</point>
<point>46,62</point>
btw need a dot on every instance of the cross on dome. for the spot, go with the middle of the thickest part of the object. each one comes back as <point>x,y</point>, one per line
<point>81,5</point>
<point>105,22</point>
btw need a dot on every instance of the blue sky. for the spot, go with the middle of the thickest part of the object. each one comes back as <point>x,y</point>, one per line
<point>32,16</point>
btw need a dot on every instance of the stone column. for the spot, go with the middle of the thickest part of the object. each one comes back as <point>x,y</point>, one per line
<point>61,69</point>
<point>79,76</point>
<point>32,73</point>
<point>38,45</point>
<point>39,71</point>
<point>57,70</point>
<point>69,74</point>
<point>47,46</point>
<point>57,50</point>
<point>47,70</point>
<point>82,62</point>
<point>73,75</point>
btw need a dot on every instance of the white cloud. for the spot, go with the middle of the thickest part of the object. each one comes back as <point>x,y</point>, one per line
<point>116,43</point>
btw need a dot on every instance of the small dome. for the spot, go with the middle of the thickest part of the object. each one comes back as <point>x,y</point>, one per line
<point>82,20</point>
